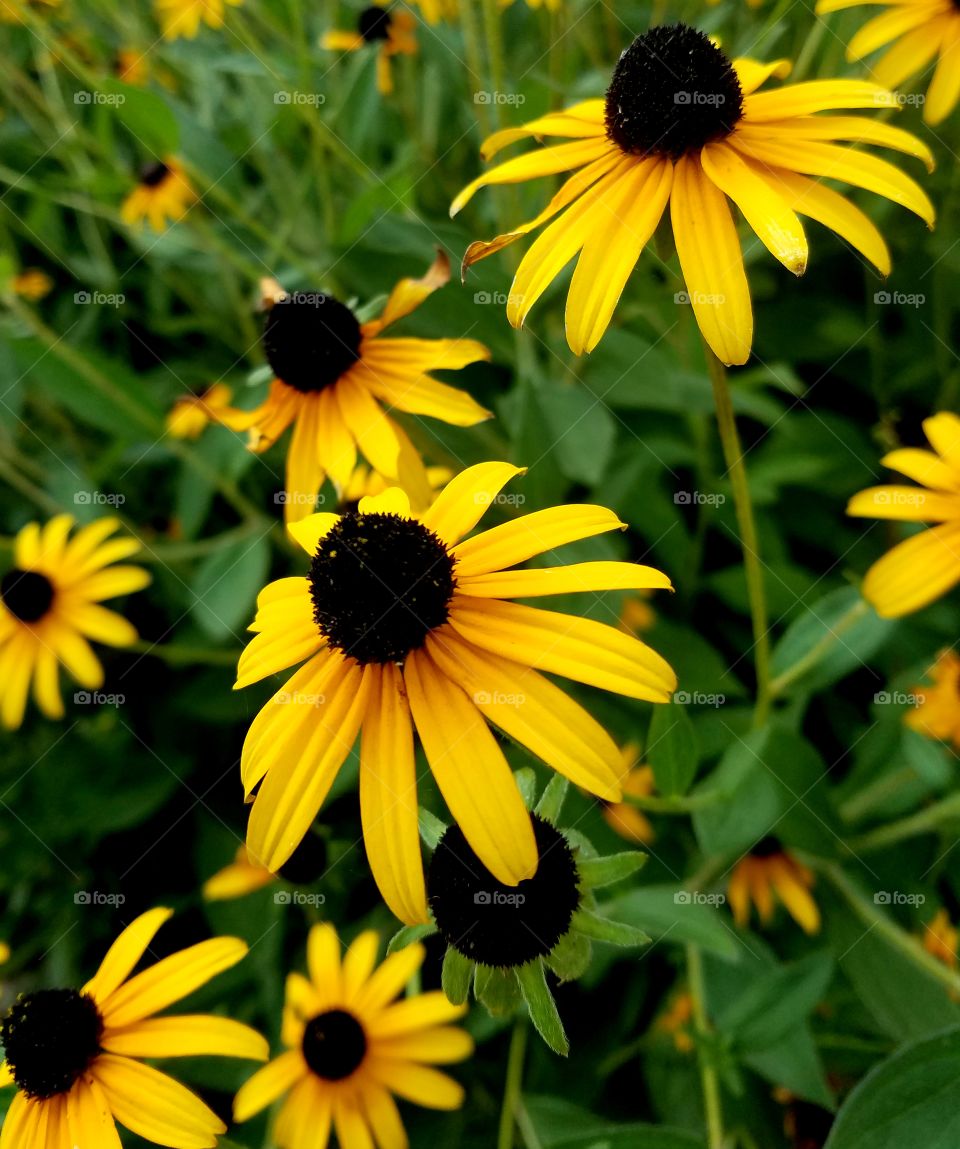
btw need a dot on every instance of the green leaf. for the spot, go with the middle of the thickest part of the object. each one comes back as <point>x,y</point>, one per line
<point>597,872</point>
<point>570,957</point>
<point>455,976</point>
<point>407,935</point>
<point>551,800</point>
<point>672,749</point>
<point>431,828</point>
<point>542,1007</point>
<point>657,910</point>
<point>583,430</point>
<point>776,1002</point>
<point>602,929</point>
<point>226,585</point>
<point>526,780</point>
<point>497,989</point>
<point>560,1125</point>
<point>911,1099</point>
<point>146,115</point>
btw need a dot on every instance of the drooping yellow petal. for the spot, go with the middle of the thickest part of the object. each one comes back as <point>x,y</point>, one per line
<point>189,1035</point>
<point>409,293</point>
<point>923,467</point>
<point>125,952</point>
<point>577,121</point>
<point>752,74</point>
<point>855,129</point>
<point>306,1115</point>
<point>18,658</point>
<point>383,1117</point>
<point>915,573</point>
<point>293,638</point>
<point>795,895</point>
<point>304,474</point>
<point>465,499</point>
<point>908,504</point>
<point>268,1083</point>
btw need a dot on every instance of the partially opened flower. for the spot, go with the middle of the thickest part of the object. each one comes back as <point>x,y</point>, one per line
<point>918,35</point>
<point>50,606</point>
<point>182,18</point>
<point>925,566</point>
<point>403,621</point>
<point>936,713</point>
<point>390,30</point>
<point>76,1055</point>
<point>163,194</point>
<point>683,126</point>
<point>335,375</point>
<point>770,871</point>
<point>352,1047</point>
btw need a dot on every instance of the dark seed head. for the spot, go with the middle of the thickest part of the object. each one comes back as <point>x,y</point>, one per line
<point>766,847</point>
<point>498,925</point>
<point>153,174</point>
<point>334,1044</point>
<point>50,1037</point>
<point>374,24</point>
<point>380,583</point>
<point>28,595</point>
<point>310,339</point>
<point>672,92</point>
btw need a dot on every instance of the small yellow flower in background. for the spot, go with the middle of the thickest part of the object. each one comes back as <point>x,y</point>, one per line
<point>351,1047</point>
<point>637,614</point>
<point>32,284</point>
<point>676,1019</point>
<point>132,66</point>
<point>770,870</point>
<point>434,11</point>
<point>49,608</point>
<point>940,938</point>
<point>919,32</point>
<point>191,414</point>
<point>927,565</point>
<point>242,876</point>
<point>182,18</point>
<point>683,126</point>
<point>392,31</point>
<point>365,481</point>
<point>163,193</point>
<point>937,710</point>
<point>403,622</point>
<point>637,782</point>
<point>333,376</point>
<point>4,953</point>
<point>74,1055</point>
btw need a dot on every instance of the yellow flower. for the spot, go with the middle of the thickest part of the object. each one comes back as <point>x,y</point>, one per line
<point>4,953</point>
<point>433,11</point>
<point>32,284</point>
<point>403,622</point>
<point>767,870</point>
<point>365,481</point>
<point>163,193</point>
<point>682,126</point>
<point>351,1047</point>
<point>334,375</point>
<point>637,782</point>
<point>676,1019</point>
<point>936,713</point>
<point>190,415</point>
<point>242,876</point>
<point>183,17</point>
<point>132,66</point>
<point>925,566</point>
<point>391,31</point>
<point>940,938</point>
<point>75,1054</point>
<point>637,614</point>
<point>49,607</point>
<point>918,32</point>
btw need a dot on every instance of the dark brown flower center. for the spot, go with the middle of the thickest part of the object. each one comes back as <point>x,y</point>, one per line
<point>50,1038</point>
<point>310,339</point>
<point>153,174</point>
<point>334,1044</point>
<point>374,24</point>
<point>28,595</point>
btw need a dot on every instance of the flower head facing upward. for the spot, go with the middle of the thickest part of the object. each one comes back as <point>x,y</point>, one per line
<point>767,870</point>
<point>405,622</point>
<point>937,711</point>
<point>163,194</point>
<point>917,32</point>
<point>332,378</point>
<point>182,18</point>
<point>684,126</point>
<point>351,1047</point>
<point>50,606</point>
<point>925,566</point>
<point>391,31</point>
<point>74,1054</point>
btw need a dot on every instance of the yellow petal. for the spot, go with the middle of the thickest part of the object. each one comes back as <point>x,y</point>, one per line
<point>189,1035</point>
<point>389,979</point>
<point>409,293</point>
<point>267,1084</point>
<point>309,531</point>
<point>418,1083</point>
<point>856,129</point>
<point>915,573</point>
<point>125,952</point>
<point>578,577</point>
<point>897,21</point>
<point>908,504</point>
<point>923,467</point>
<point>943,432</point>
<point>944,90</point>
<point>577,121</point>
<point>464,500</point>
<point>89,1122</point>
<point>816,96</point>
<point>752,74</point>
<point>909,56</point>
<point>415,1013</point>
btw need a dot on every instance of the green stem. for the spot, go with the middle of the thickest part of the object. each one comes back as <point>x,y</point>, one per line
<point>743,504</point>
<point>513,1084</point>
<point>708,1074</point>
<point>923,822</point>
<point>677,805</point>
<point>816,652</point>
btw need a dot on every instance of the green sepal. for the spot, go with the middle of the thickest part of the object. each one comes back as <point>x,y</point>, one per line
<point>431,828</point>
<point>551,800</point>
<point>597,872</point>
<point>603,930</point>
<point>497,989</point>
<point>542,1007</point>
<point>455,976</point>
<point>526,781</point>
<point>407,935</point>
<point>570,957</point>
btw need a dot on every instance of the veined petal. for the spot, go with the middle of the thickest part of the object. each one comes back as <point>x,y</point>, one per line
<point>752,74</point>
<point>576,648</point>
<point>280,646</point>
<point>890,25</point>
<point>268,1083</point>
<point>471,771</point>
<point>124,954</point>
<point>923,467</point>
<point>908,504</point>
<point>419,394</point>
<point>383,1117</point>
<point>304,474</point>
<point>306,1115</point>
<point>533,534</point>
<point>943,433</point>
<point>578,577</point>
<point>85,1119</point>
<point>910,55</point>
<point>855,129</point>
<point>189,1035</point>
<point>915,573</point>
<point>815,96</point>
<point>464,500</point>
<point>577,121</point>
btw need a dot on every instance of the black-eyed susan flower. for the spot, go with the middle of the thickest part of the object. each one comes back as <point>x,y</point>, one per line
<point>401,622</point>
<point>925,566</point>
<point>163,193</point>
<point>75,1055</point>
<point>32,284</point>
<point>636,781</point>
<point>936,713</point>
<point>182,18</point>
<point>916,34</point>
<point>940,939</point>
<point>50,607</point>
<point>191,414</point>
<point>390,30</point>
<point>503,938</point>
<point>769,871</point>
<point>351,1047</point>
<point>244,875</point>
<point>683,126</point>
<point>333,376</point>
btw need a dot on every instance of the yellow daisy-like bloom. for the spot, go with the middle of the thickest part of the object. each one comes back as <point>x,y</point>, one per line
<point>940,938</point>
<point>49,608</point>
<point>32,284</point>
<point>919,32</point>
<point>770,870</point>
<point>333,375</point>
<point>937,712</point>
<point>75,1054</point>
<point>162,194</point>
<point>404,621</point>
<point>190,415</point>
<point>682,126</point>
<point>242,876</point>
<point>925,566</point>
<point>182,18</point>
<point>351,1047</point>
<point>391,31</point>
<point>636,781</point>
